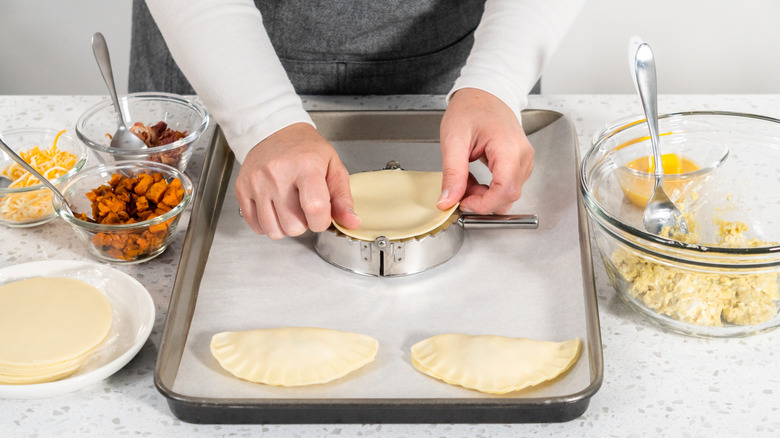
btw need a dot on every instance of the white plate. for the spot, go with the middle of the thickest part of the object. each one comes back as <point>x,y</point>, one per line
<point>133,318</point>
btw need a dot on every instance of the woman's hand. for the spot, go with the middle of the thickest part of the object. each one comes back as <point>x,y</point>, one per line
<point>293,181</point>
<point>479,126</point>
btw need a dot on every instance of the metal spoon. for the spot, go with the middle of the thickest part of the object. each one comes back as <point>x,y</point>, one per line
<point>123,138</point>
<point>14,156</point>
<point>660,211</point>
<point>4,182</point>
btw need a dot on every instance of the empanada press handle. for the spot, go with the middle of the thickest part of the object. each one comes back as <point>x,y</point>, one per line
<point>523,221</point>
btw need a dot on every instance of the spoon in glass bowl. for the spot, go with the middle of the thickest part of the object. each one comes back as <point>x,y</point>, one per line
<point>660,211</point>
<point>14,156</point>
<point>123,138</point>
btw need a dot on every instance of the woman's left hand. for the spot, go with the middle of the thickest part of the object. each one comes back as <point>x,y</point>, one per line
<point>479,126</point>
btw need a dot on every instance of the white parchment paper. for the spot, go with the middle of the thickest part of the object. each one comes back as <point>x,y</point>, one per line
<point>521,283</point>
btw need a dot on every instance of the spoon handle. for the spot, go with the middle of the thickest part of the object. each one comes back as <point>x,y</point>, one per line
<point>100,49</point>
<point>646,82</point>
<point>14,156</point>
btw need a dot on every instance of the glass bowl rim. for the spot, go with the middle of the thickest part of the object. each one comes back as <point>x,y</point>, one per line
<point>119,165</point>
<point>601,215</point>
<point>145,96</point>
<point>81,159</point>
<point>631,172</point>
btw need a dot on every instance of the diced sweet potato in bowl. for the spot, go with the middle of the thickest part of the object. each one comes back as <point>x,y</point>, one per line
<point>126,212</point>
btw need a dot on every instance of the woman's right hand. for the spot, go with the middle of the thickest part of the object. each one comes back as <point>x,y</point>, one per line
<point>293,181</point>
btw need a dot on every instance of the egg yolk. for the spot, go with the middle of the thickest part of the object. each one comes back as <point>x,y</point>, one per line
<point>638,189</point>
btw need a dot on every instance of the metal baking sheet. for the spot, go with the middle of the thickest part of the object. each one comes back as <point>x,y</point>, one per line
<point>524,283</point>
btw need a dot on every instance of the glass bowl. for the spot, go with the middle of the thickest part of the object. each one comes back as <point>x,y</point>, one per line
<point>98,123</point>
<point>31,206</point>
<point>723,280</point>
<point>123,243</point>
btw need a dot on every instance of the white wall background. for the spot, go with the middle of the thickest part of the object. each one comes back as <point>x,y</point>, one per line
<point>701,46</point>
<point>45,45</point>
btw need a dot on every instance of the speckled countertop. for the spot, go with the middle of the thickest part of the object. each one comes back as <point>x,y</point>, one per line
<point>655,383</point>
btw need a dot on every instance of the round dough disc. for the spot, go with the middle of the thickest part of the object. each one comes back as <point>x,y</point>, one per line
<point>47,321</point>
<point>396,204</point>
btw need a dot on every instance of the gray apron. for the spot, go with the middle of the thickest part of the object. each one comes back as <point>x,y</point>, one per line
<point>343,47</point>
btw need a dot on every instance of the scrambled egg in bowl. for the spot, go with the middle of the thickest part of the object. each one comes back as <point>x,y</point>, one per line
<point>722,279</point>
<point>702,298</point>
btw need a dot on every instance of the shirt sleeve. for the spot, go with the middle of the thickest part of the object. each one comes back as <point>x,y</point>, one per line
<point>237,74</point>
<point>512,43</point>
<point>225,53</point>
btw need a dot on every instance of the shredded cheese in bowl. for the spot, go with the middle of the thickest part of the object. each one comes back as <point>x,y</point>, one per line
<point>32,205</point>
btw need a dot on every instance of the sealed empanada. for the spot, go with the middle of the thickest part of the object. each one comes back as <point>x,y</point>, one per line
<point>292,356</point>
<point>493,364</point>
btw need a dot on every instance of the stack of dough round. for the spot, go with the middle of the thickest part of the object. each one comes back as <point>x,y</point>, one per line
<point>48,328</point>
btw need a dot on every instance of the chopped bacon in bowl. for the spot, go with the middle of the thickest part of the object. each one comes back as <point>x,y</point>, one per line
<point>169,124</point>
<point>158,134</point>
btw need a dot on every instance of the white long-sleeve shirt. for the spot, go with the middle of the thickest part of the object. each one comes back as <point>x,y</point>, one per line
<point>226,55</point>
